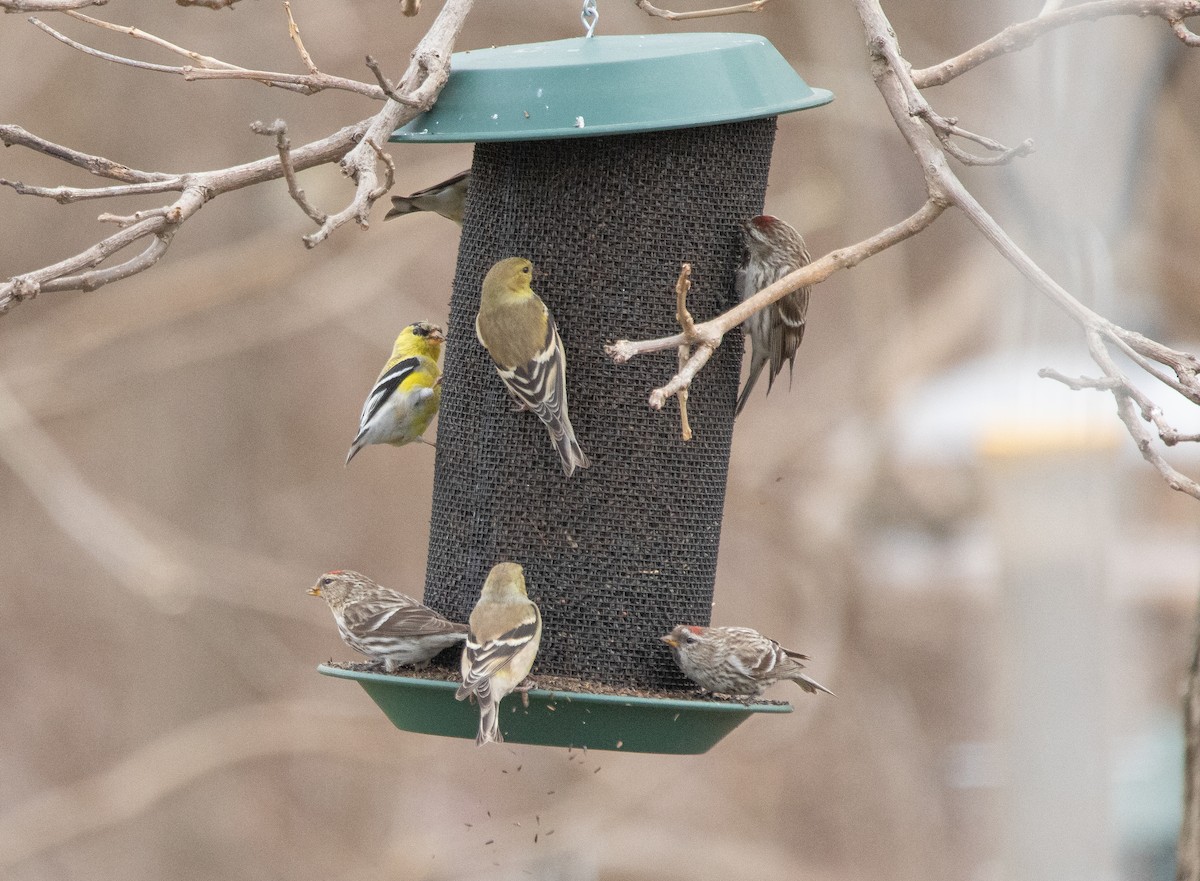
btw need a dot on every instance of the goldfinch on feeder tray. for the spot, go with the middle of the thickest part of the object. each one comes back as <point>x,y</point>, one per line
<point>519,333</point>
<point>406,395</point>
<point>505,631</point>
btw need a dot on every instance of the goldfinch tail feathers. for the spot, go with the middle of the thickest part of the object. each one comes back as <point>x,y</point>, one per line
<point>489,710</point>
<point>541,386</point>
<point>401,205</point>
<point>359,442</point>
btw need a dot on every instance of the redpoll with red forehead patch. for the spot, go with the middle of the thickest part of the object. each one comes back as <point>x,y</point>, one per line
<point>738,661</point>
<point>773,249</point>
<point>384,624</point>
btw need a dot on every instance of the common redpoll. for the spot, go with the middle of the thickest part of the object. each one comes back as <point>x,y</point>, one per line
<point>384,624</point>
<point>773,249</point>
<point>447,198</point>
<point>506,629</point>
<point>519,333</point>
<point>737,661</point>
<point>407,392</point>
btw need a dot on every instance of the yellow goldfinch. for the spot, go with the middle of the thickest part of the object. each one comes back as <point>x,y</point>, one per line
<point>447,199</point>
<point>406,395</point>
<point>505,631</point>
<point>519,333</point>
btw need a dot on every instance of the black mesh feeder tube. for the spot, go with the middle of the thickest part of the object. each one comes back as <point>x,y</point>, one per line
<point>608,162</point>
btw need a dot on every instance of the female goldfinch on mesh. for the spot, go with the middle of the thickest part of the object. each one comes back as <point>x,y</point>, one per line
<point>406,395</point>
<point>519,333</point>
<point>502,641</point>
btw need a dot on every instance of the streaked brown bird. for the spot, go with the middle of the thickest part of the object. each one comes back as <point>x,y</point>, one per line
<point>773,249</point>
<point>737,661</point>
<point>383,624</point>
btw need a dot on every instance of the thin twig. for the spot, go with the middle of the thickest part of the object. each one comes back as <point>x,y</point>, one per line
<point>711,332</point>
<point>211,68</point>
<point>1181,30</point>
<point>684,317</point>
<point>294,33</point>
<point>139,34</point>
<point>284,145</point>
<point>647,8</point>
<point>389,167</point>
<point>1020,36</point>
<point>11,135</point>
<point>386,84</point>
<point>47,5</point>
<point>207,4</point>
<point>358,149</point>
<point>195,189</point>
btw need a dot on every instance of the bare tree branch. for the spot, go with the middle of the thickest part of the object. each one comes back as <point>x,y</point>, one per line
<point>753,6</point>
<point>358,148</point>
<point>47,5</point>
<point>1188,855</point>
<point>208,4</point>
<point>1020,36</point>
<point>211,68</point>
<point>684,316</point>
<point>14,135</point>
<point>708,334</point>
<point>284,145</point>
<point>178,759</point>
<point>895,81</point>
<point>195,189</point>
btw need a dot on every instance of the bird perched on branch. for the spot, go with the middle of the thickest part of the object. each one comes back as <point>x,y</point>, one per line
<point>447,199</point>
<point>506,629</point>
<point>407,393</point>
<point>519,333</point>
<point>773,249</point>
<point>737,661</point>
<point>384,624</point>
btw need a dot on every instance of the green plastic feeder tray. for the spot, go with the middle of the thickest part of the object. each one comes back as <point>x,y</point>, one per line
<point>611,85</point>
<point>559,718</point>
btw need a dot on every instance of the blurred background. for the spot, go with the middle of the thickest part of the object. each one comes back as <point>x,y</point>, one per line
<point>998,588</point>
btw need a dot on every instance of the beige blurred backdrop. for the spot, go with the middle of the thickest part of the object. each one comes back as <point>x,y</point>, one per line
<point>998,589</point>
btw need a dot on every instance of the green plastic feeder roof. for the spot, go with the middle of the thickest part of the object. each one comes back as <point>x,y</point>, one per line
<point>557,718</point>
<point>611,85</point>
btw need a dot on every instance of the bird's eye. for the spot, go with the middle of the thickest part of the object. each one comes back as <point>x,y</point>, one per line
<point>326,581</point>
<point>690,638</point>
<point>525,269</point>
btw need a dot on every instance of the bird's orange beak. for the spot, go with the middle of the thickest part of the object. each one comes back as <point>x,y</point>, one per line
<point>315,590</point>
<point>437,335</point>
<point>670,640</point>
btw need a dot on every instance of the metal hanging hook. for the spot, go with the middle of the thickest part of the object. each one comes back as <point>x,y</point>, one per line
<point>589,16</point>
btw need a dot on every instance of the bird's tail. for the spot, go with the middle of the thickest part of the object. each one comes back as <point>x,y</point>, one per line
<point>569,451</point>
<point>810,685</point>
<point>489,710</point>
<point>401,205</point>
<point>756,368</point>
<point>489,721</point>
<point>358,443</point>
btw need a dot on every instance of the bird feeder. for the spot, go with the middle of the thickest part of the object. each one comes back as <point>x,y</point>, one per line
<point>608,162</point>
